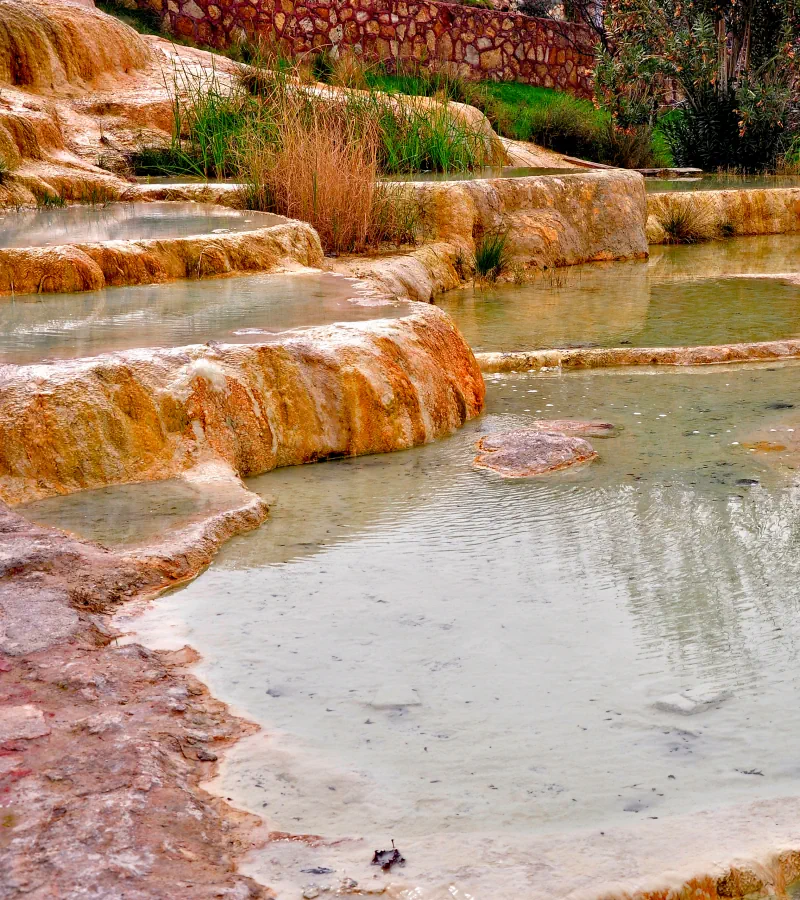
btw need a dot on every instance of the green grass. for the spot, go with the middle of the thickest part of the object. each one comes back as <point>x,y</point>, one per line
<point>685,224</point>
<point>213,125</point>
<point>5,170</point>
<point>145,21</point>
<point>552,119</point>
<point>491,255</point>
<point>50,201</point>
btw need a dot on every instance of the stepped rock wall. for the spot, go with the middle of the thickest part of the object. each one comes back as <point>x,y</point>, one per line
<point>760,211</point>
<point>344,390</point>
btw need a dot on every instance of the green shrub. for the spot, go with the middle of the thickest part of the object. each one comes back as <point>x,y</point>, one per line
<point>491,254</point>
<point>709,132</point>
<point>145,21</point>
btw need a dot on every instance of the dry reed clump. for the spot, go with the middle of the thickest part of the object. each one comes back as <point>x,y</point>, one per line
<point>323,169</point>
<point>687,223</point>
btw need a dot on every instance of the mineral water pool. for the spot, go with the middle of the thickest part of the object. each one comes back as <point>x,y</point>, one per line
<point>124,222</point>
<point>128,514</point>
<point>722,183</point>
<point>252,308</point>
<point>744,289</point>
<point>436,653</point>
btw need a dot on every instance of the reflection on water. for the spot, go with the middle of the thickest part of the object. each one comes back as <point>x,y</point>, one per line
<point>123,222</point>
<point>234,310</point>
<point>722,183</point>
<point>432,648</point>
<point>680,296</point>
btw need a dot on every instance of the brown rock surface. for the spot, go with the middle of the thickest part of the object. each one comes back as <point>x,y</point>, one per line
<point>102,748</point>
<point>761,211</point>
<point>575,427</point>
<point>525,452</point>
<point>550,220</point>
<point>79,88</point>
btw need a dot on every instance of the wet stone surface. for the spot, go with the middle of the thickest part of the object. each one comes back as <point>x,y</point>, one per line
<point>523,453</point>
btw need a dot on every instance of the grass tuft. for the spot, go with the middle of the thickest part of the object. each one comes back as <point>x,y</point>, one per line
<point>48,200</point>
<point>685,224</point>
<point>491,255</point>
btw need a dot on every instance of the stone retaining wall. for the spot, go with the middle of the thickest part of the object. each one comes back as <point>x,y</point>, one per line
<point>479,43</point>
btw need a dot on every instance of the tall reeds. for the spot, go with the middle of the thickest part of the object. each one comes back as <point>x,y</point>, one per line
<point>315,153</point>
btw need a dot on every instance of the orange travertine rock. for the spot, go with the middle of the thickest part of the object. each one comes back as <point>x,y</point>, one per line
<point>342,390</point>
<point>526,452</point>
<point>92,266</point>
<point>610,357</point>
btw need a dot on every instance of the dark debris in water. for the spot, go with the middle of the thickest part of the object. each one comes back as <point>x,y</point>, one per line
<point>779,405</point>
<point>388,858</point>
<point>746,482</point>
<point>318,870</point>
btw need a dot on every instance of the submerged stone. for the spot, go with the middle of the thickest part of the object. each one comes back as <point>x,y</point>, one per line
<point>525,452</point>
<point>692,701</point>
<point>389,696</point>
<point>575,427</point>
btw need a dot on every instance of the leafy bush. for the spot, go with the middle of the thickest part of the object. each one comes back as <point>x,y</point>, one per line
<point>732,64</point>
<point>145,21</point>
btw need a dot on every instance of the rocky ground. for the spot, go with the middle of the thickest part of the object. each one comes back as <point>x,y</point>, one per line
<point>103,747</point>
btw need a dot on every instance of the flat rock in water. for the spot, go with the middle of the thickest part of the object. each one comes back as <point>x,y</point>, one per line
<point>525,452</point>
<point>575,427</point>
<point>692,701</point>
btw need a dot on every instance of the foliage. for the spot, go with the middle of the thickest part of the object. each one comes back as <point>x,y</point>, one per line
<point>49,200</point>
<point>314,154</point>
<point>145,21</point>
<point>732,64</point>
<point>491,254</point>
<point>5,170</point>
<point>553,119</point>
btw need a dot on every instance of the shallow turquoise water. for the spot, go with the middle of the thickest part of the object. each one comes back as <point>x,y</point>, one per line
<point>253,308</point>
<point>124,222</point>
<point>681,296</point>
